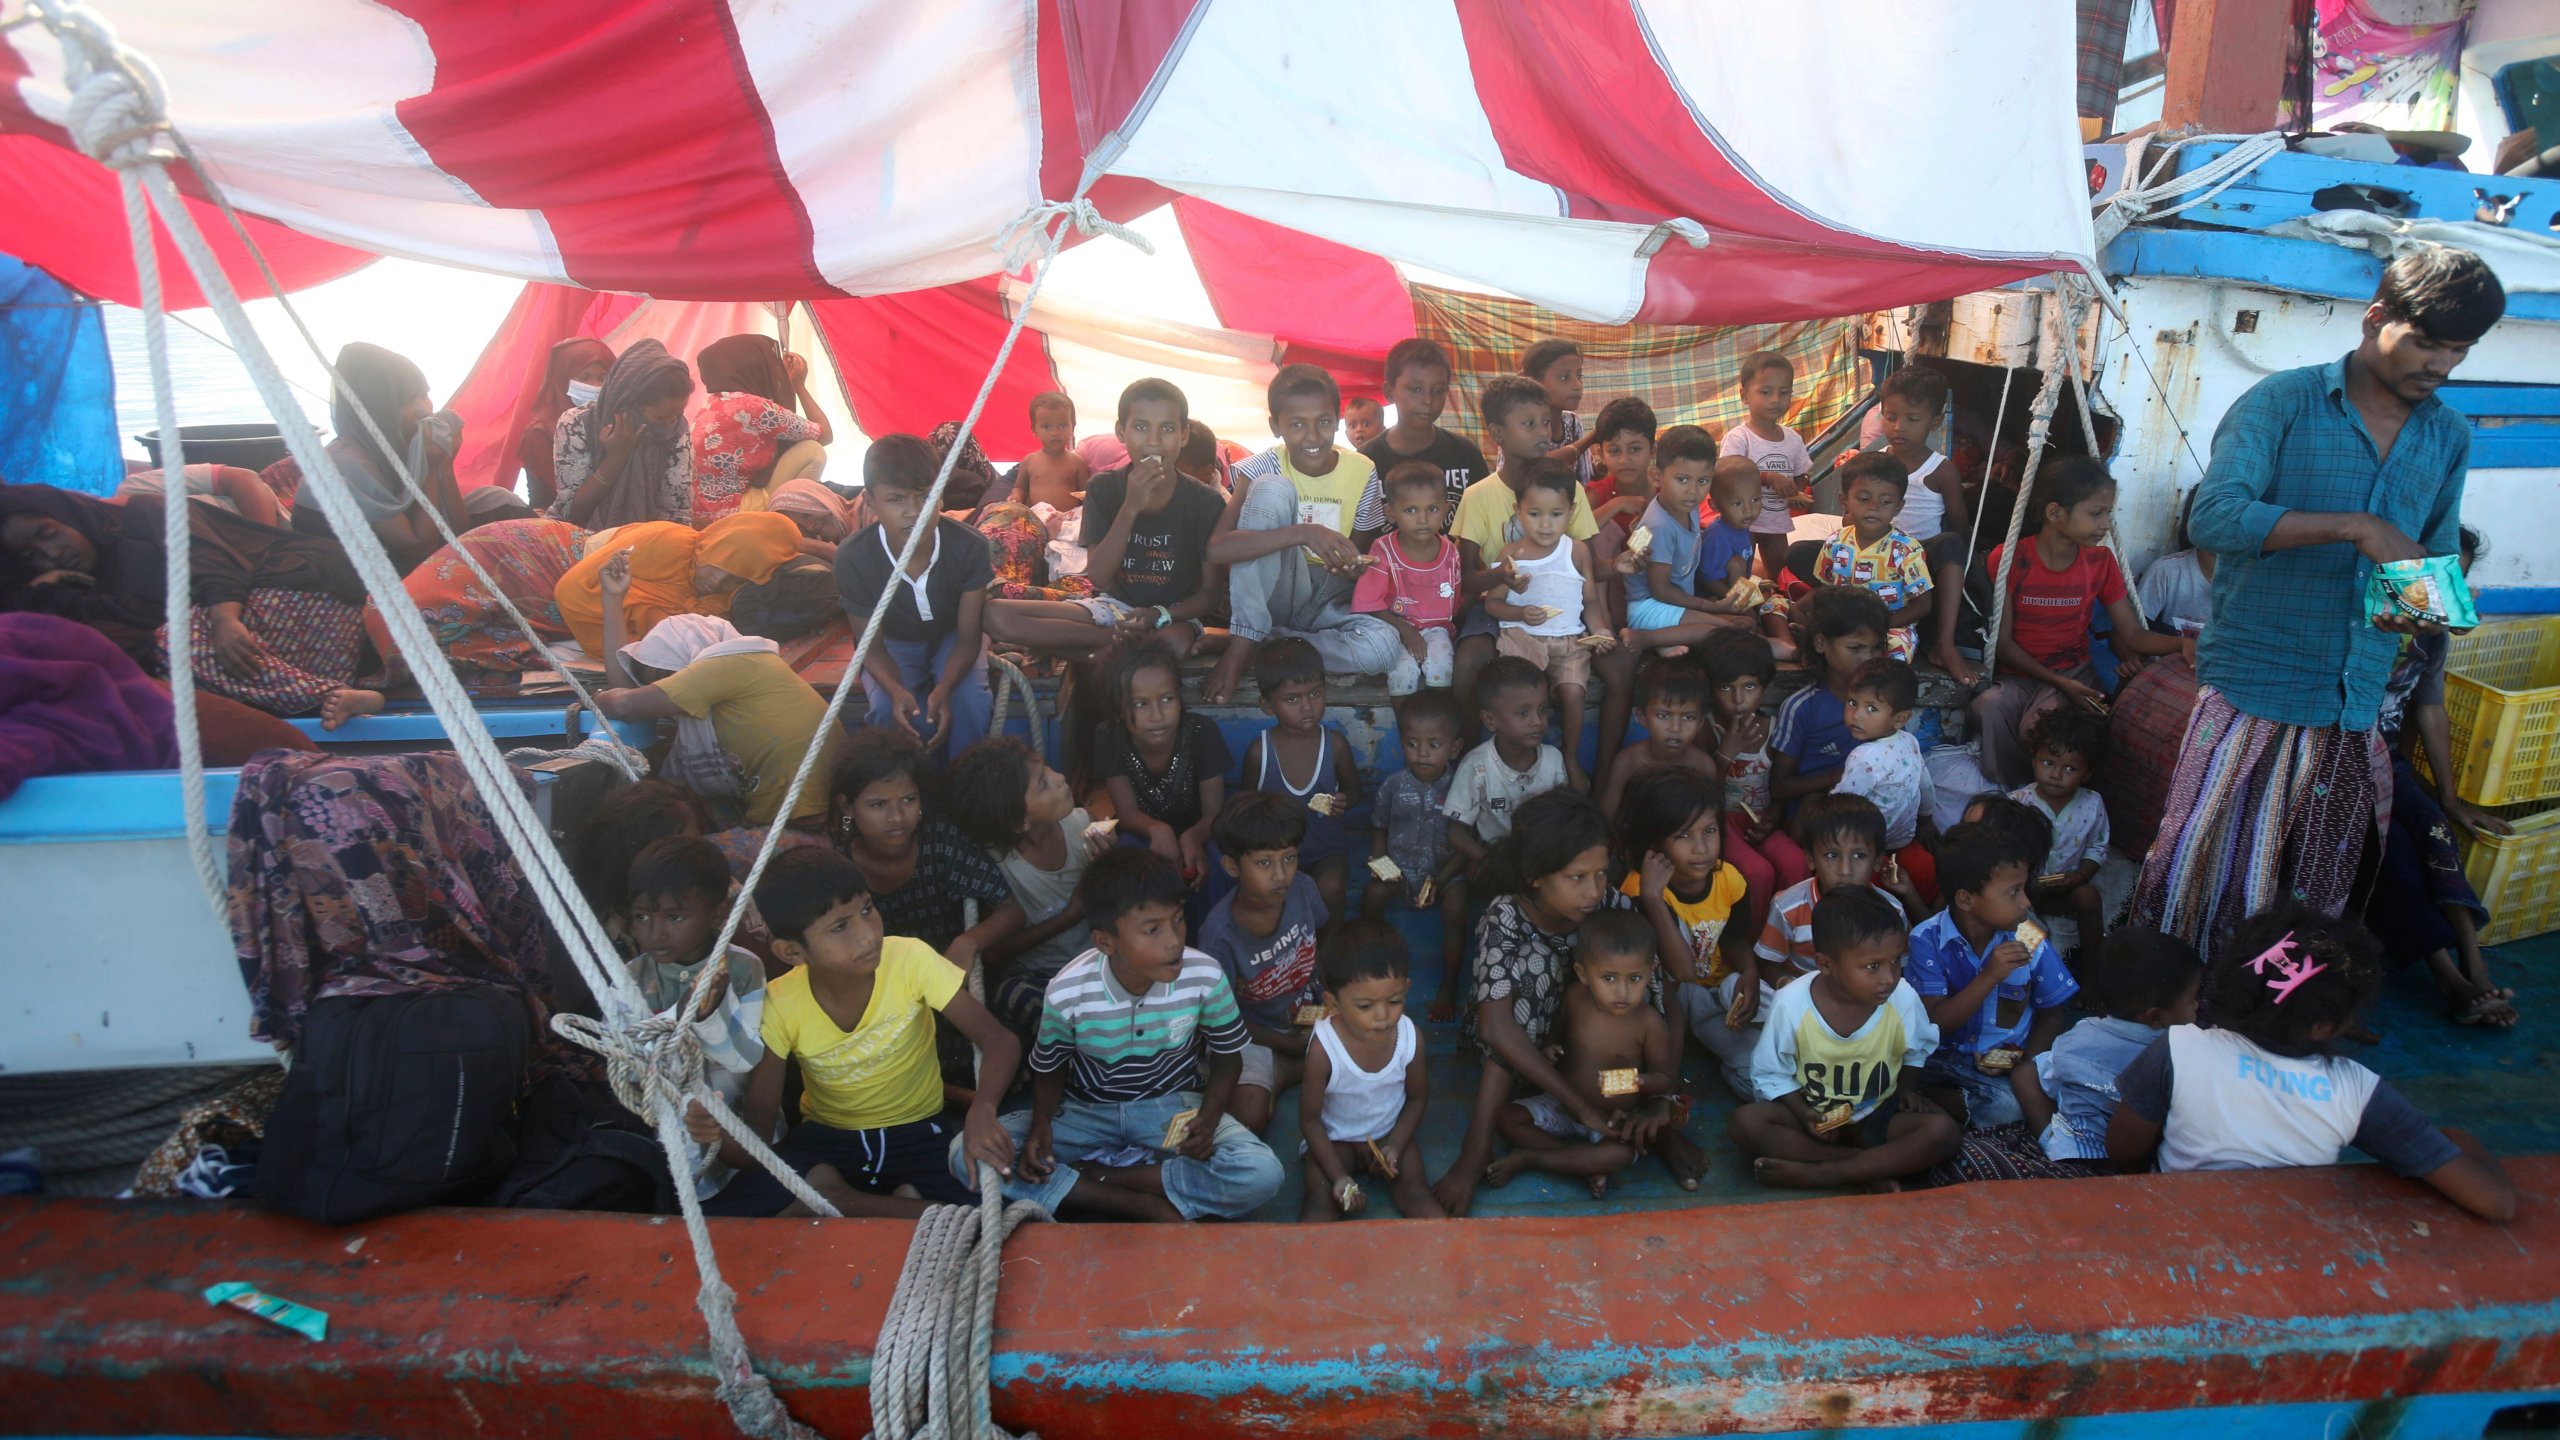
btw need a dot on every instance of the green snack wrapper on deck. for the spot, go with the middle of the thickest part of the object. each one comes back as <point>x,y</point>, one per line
<point>2432,590</point>
<point>302,1320</point>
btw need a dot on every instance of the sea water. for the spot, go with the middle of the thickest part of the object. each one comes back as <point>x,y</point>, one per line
<point>439,317</point>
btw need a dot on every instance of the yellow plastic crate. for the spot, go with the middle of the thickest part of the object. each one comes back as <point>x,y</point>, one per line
<point>2502,700</point>
<point>2518,875</point>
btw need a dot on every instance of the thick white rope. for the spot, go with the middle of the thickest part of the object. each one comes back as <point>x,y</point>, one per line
<point>113,107</point>
<point>2039,427</point>
<point>2133,205</point>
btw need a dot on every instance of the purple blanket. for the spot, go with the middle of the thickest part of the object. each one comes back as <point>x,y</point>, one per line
<point>71,703</point>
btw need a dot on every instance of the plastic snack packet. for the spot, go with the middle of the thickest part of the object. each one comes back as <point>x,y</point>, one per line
<point>2431,590</point>
<point>1614,1083</point>
<point>1178,1127</point>
<point>302,1320</point>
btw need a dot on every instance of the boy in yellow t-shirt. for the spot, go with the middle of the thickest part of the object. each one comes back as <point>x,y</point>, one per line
<point>856,1012</point>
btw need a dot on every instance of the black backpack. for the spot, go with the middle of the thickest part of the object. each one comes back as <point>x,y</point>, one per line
<point>397,1102</point>
<point>580,1150</point>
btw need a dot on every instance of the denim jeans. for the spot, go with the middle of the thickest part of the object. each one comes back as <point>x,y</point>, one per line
<point>1988,1098</point>
<point>919,664</point>
<point>1237,1178</point>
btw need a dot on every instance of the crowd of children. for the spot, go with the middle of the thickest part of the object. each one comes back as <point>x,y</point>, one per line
<point>1184,934</point>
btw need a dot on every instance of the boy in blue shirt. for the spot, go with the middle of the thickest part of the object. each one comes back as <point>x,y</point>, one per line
<point>1845,628</point>
<point>1992,986</point>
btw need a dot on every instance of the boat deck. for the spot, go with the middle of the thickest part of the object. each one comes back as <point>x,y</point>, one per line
<point>2496,1084</point>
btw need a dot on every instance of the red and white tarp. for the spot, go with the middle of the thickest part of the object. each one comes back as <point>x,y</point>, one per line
<point>1840,157</point>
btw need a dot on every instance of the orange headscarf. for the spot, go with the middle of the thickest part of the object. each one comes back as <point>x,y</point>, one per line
<point>663,557</point>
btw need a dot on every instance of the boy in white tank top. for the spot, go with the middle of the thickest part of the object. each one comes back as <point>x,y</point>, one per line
<point>1550,608</point>
<point>1360,1103</point>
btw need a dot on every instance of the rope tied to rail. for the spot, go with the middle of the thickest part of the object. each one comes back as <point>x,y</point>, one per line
<point>653,1060</point>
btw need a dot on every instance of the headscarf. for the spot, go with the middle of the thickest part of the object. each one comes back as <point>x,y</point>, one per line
<point>381,383</point>
<point>567,358</point>
<point>128,584</point>
<point>750,546</point>
<point>748,364</point>
<point>972,477</point>
<point>640,372</point>
<point>697,760</point>
<point>663,557</point>
<point>820,513</point>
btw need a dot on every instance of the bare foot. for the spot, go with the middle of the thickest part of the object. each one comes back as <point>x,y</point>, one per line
<point>1672,652</point>
<point>1598,1185</point>
<point>1501,1172</point>
<point>1627,638</point>
<point>1682,1157</point>
<point>1575,779</point>
<point>1793,1174</point>
<point>1443,1011</point>
<point>346,704</point>
<point>1456,1191</point>
<point>1219,685</point>
<point>1886,1186</point>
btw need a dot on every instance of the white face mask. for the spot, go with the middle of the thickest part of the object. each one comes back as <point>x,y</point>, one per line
<point>582,393</point>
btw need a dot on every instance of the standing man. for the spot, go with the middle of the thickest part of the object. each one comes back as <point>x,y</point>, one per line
<point>2318,475</point>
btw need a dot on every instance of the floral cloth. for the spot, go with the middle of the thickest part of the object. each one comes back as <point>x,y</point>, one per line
<point>314,643</point>
<point>527,559</point>
<point>1895,569</point>
<point>1529,966</point>
<point>735,439</point>
<point>373,875</point>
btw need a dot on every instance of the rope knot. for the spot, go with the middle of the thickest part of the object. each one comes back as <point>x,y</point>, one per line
<point>1042,229</point>
<point>644,1058</point>
<point>119,109</point>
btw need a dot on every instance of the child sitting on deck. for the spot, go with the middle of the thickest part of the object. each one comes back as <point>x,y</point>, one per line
<point>1909,405</point>
<point>1549,607</point>
<point>679,892</point>
<point>1053,475</point>
<point>1411,817</point>
<point>1418,386</point>
<point>2068,745</point>
<point>1868,552</point>
<point>1361,1110</point>
<point>1665,607</point>
<point>1299,743</point>
<point>1121,1126</point>
<point>1008,799</point>
<point>1145,530</point>
<point>1513,764</point>
<point>1671,829</point>
<point>2149,982</point>
<point>1618,1056</point>
<point>1671,700</point>
<point>1767,382</point>
<point>928,672</point>
<point>2060,573</point>
<point>1412,579</point>
<point>1845,628</point>
<point>1263,933</point>
<point>1289,557</point>
<point>1995,990</point>
<point>856,1012</point>
<point>1739,668</point>
<point>1887,767</point>
<point>1166,769</point>
<point>2260,1088</point>
<point>1839,1063</point>
<point>1549,875</point>
<point>1843,839</point>
<point>1514,411</point>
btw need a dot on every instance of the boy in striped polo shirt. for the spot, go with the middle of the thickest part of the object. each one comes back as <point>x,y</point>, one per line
<point>1118,1064</point>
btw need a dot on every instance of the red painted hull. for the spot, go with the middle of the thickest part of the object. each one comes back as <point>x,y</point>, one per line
<point>1986,1302</point>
